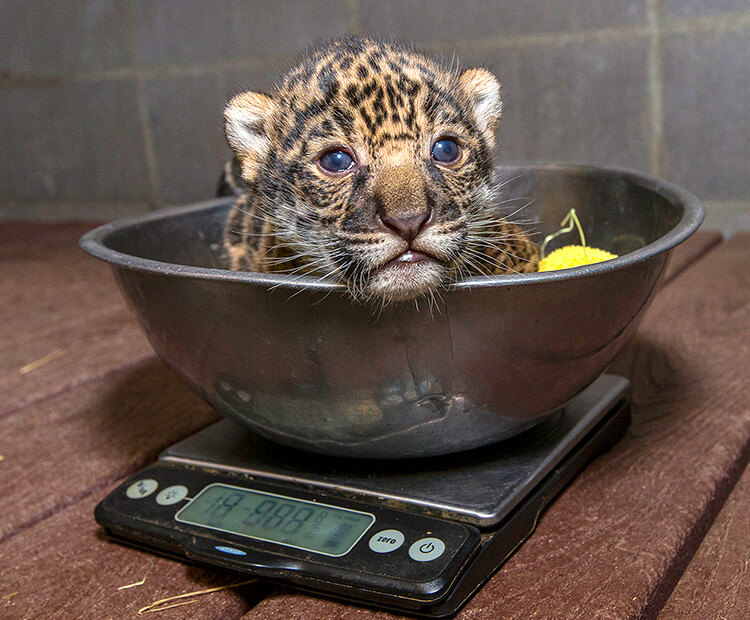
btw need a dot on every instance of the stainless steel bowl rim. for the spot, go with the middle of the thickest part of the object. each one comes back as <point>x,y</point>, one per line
<point>93,242</point>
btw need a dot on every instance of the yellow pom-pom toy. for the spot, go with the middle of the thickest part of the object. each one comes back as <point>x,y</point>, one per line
<point>574,256</point>
<point>571,255</point>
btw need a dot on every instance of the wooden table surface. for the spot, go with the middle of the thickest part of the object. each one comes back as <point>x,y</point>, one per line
<point>657,527</point>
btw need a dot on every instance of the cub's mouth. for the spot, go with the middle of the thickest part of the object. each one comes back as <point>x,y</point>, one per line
<point>407,276</point>
<point>410,257</point>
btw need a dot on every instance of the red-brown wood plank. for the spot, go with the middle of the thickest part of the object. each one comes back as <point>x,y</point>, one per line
<point>63,448</point>
<point>691,251</point>
<point>58,303</point>
<point>28,237</point>
<point>615,542</point>
<point>64,568</point>
<point>716,584</point>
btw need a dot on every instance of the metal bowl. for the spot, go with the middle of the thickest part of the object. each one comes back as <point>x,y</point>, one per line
<point>299,362</point>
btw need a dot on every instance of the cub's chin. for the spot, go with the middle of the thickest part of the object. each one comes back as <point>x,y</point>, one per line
<point>405,278</point>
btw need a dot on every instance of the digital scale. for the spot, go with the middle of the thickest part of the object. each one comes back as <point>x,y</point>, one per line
<point>419,536</point>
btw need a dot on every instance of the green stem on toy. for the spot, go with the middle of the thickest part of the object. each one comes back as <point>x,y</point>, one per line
<point>570,222</point>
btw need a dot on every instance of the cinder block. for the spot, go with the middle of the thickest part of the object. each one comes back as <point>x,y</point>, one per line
<point>72,142</point>
<point>179,31</point>
<point>706,118</point>
<point>447,20</point>
<point>38,37</point>
<point>704,8</point>
<point>578,102</point>
<point>186,117</point>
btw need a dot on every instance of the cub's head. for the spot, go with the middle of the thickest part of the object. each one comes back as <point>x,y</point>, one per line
<point>374,165</point>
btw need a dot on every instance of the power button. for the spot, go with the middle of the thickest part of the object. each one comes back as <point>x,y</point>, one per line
<point>426,549</point>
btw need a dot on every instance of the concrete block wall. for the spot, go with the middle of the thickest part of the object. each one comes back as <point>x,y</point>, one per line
<point>113,107</point>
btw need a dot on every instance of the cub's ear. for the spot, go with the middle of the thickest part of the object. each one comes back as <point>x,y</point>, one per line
<point>247,120</point>
<point>483,91</point>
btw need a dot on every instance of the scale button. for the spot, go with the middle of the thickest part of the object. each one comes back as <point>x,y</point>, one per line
<point>426,549</point>
<point>171,495</point>
<point>386,541</point>
<point>142,488</point>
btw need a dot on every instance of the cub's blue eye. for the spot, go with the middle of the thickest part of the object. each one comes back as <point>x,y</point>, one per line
<point>446,151</point>
<point>336,161</point>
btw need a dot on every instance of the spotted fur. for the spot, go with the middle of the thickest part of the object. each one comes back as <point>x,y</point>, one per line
<point>386,105</point>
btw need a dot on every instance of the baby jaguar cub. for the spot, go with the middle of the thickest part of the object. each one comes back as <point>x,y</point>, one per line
<point>371,165</point>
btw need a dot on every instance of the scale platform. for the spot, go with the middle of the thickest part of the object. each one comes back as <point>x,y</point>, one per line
<point>415,535</point>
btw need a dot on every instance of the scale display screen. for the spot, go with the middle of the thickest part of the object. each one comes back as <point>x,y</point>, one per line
<point>321,528</point>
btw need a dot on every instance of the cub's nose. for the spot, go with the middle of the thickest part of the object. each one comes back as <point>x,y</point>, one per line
<point>401,201</point>
<point>406,227</point>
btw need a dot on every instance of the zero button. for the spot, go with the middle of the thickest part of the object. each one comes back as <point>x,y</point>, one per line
<point>386,541</point>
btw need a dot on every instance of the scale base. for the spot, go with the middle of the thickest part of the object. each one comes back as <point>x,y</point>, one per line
<point>487,501</point>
